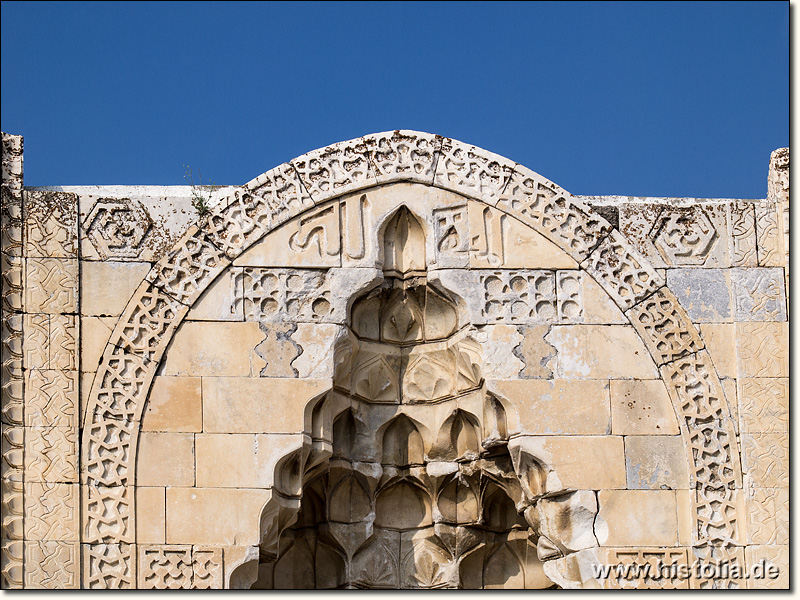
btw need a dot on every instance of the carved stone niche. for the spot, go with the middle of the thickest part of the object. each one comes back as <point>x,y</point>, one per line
<point>410,480</point>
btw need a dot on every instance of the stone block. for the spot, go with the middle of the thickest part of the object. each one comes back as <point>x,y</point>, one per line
<point>765,458</point>
<point>52,512</point>
<point>194,515</point>
<point>36,341</point>
<point>106,287</point>
<point>729,387</point>
<point>763,405</point>
<point>95,334</point>
<point>51,285</point>
<point>622,271</point>
<point>316,342</point>
<point>770,245</point>
<point>218,301</point>
<point>50,341</point>
<point>720,341</point>
<point>174,404</point>
<point>687,519</point>
<point>742,234</point>
<point>51,398</point>
<point>763,349</point>
<point>655,462</point>
<point>598,307</point>
<point>150,515</point>
<point>257,405</point>
<point>642,407</point>
<point>51,224</point>
<point>499,343</point>
<point>637,518</point>
<point>581,462</point>
<point>135,223</point>
<point>497,239</point>
<point>599,352</point>
<point>109,566</point>
<point>241,460</point>
<point>776,557</point>
<point>51,454</point>
<point>165,459</point>
<point>472,171</point>
<point>52,565</point>
<point>552,407</point>
<point>768,516</point>
<point>759,294</point>
<point>704,293</point>
<point>231,354</point>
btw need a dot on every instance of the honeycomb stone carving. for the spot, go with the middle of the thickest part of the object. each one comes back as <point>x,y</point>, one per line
<point>396,451</point>
<point>519,296</point>
<point>273,294</point>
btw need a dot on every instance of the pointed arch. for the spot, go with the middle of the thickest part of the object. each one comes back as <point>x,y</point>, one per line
<point>119,390</point>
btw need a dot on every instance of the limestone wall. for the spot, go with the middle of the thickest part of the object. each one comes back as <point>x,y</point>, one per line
<point>400,361</point>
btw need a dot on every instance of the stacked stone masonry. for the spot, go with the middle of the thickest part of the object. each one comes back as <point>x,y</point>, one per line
<point>399,361</point>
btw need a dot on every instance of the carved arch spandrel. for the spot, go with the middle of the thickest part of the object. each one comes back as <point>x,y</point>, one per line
<point>146,326</point>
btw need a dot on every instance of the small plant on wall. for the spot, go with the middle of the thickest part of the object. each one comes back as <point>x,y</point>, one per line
<point>201,194</point>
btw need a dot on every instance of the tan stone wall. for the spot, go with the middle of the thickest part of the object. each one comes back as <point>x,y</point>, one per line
<point>204,341</point>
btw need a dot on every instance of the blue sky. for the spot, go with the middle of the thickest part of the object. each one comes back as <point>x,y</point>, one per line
<point>654,99</point>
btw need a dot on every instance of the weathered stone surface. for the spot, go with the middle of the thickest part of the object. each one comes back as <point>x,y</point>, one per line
<point>241,460</point>
<point>599,352</point>
<point>155,469</point>
<point>534,352</point>
<point>51,285</point>
<point>498,240</point>
<point>232,353</point>
<point>174,404</point>
<point>313,241</point>
<point>106,287</point>
<point>582,462</point>
<point>763,405</point>
<point>777,577</point>
<point>193,515</point>
<point>720,341</point>
<point>552,407</point>
<point>637,518</point>
<point>759,294</point>
<point>262,405</point>
<point>656,462</point>
<point>218,302</point>
<point>706,294</point>
<point>763,349</point>
<point>399,361</point>
<point>150,514</point>
<point>641,407</point>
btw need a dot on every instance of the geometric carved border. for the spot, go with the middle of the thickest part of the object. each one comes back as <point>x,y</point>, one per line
<point>40,337</point>
<point>143,332</point>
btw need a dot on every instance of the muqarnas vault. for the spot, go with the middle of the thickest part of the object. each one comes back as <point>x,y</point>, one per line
<point>396,362</point>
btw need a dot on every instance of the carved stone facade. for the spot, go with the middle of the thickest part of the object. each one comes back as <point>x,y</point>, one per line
<point>395,362</point>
